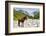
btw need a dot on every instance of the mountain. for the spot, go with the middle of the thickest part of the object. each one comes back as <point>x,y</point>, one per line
<point>20,14</point>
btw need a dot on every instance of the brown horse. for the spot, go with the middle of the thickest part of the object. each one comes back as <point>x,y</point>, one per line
<point>22,21</point>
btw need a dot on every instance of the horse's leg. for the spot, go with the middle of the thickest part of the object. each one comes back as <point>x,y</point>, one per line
<point>22,24</point>
<point>19,23</point>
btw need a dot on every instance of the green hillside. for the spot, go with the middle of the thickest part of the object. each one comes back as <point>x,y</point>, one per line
<point>18,15</point>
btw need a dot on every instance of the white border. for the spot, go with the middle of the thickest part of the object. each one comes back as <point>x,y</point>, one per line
<point>12,5</point>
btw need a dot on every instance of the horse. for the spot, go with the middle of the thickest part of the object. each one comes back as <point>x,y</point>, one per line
<point>22,21</point>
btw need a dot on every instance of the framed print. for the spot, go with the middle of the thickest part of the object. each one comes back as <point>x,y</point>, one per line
<point>24,17</point>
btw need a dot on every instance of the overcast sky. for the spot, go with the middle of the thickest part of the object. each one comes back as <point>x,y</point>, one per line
<point>29,10</point>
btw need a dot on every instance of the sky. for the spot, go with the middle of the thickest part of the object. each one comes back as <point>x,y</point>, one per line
<point>29,10</point>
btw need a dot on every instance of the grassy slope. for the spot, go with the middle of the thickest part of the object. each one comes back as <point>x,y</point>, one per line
<point>18,15</point>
